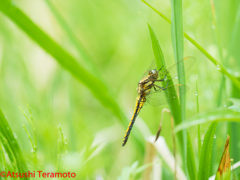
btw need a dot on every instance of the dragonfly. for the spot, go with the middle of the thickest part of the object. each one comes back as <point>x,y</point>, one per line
<point>151,89</point>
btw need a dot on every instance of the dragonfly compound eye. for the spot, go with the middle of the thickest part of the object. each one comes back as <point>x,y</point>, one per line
<point>153,71</point>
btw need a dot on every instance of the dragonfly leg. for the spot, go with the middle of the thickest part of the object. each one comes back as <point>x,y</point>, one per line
<point>160,80</point>
<point>160,68</point>
<point>163,78</point>
<point>154,86</point>
<point>166,86</point>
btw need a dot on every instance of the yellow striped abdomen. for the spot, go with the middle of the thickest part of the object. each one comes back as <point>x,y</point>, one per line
<point>139,104</point>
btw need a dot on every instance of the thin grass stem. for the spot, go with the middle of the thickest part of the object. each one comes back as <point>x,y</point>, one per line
<point>212,59</point>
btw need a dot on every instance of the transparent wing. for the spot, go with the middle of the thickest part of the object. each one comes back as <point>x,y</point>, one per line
<point>165,95</point>
<point>172,70</point>
<point>152,66</point>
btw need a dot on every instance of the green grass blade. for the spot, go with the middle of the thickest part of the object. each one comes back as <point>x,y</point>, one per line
<point>177,42</point>
<point>233,129</point>
<point>30,139</point>
<point>95,84</point>
<point>83,53</point>
<point>157,50</point>
<point>2,158</point>
<point>222,90</point>
<point>97,87</point>
<point>199,127</point>
<point>212,59</point>
<point>99,90</point>
<point>206,153</point>
<point>160,61</point>
<point>11,145</point>
<point>178,47</point>
<point>191,165</point>
<point>62,149</point>
<point>234,35</point>
<point>33,143</point>
<point>174,105</point>
<point>220,114</point>
<point>177,34</point>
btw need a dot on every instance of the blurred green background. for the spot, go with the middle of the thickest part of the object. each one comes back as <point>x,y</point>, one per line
<point>116,38</point>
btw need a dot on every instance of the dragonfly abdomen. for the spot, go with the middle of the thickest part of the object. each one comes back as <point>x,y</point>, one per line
<point>139,104</point>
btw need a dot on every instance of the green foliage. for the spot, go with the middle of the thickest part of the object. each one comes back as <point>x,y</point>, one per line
<point>79,66</point>
<point>221,114</point>
<point>11,146</point>
<point>160,62</point>
<point>191,165</point>
<point>206,152</point>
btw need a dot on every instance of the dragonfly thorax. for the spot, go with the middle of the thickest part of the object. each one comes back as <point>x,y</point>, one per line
<point>145,84</point>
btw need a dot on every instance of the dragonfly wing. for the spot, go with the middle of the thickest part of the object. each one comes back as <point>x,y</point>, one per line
<point>172,70</point>
<point>152,66</point>
<point>165,95</point>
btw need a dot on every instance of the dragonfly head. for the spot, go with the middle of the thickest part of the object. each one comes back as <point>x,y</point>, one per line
<point>153,73</point>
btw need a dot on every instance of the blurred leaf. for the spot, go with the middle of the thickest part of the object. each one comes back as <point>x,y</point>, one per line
<point>205,159</point>
<point>127,172</point>
<point>11,146</point>
<point>79,46</point>
<point>235,108</point>
<point>167,156</point>
<point>234,34</point>
<point>97,87</point>
<point>235,101</point>
<point>220,114</point>
<point>190,159</point>
<point>212,59</point>
<point>224,169</point>
<point>100,90</point>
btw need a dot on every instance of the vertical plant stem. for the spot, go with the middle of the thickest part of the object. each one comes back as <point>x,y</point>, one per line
<point>222,90</point>
<point>200,48</point>
<point>173,105</point>
<point>233,130</point>
<point>178,47</point>
<point>199,126</point>
<point>33,143</point>
<point>62,149</point>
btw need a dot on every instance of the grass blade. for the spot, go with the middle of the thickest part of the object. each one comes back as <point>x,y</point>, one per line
<point>33,143</point>
<point>199,127</point>
<point>220,114</point>
<point>178,47</point>
<point>11,145</point>
<point>174,105</point>
<point>212,59</point>
<point>190,159</point>
<point>177,42</point>
<point>233,129</point>
<point>206,153</point>
<point>101,91</point>
<point>78,45</point>
<point>157,50</point>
